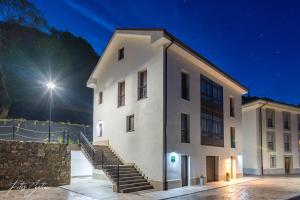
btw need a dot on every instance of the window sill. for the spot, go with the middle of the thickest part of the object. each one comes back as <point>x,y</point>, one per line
<point>142,98</point>
<point>120,106</point>
<point>187,100</point>
<point>130,131</point>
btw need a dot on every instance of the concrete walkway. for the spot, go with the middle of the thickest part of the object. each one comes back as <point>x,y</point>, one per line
<point>90,189</point>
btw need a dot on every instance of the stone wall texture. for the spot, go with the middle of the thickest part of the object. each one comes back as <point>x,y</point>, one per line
<point>34,164</point>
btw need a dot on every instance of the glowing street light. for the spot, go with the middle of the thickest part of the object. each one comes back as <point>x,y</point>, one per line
<point>51,86</point>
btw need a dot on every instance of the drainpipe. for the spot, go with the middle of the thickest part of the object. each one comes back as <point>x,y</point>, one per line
<point>261,136</point>
<point>165,161</point>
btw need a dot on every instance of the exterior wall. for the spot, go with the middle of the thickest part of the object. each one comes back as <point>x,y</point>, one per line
<point>176,105</point>
<point>143,146</point>
<point>251,146</point>
<point>251,140</point>
<point>35,164</point>
<point>279,148</point>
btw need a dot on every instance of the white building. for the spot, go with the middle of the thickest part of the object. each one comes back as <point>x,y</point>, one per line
<point>167,109</point>
<point>271,137</point>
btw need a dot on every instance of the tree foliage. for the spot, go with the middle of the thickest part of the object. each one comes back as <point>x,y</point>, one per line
<point>29,53</point>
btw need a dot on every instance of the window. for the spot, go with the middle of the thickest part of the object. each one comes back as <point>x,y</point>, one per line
<point>100,98</point>
<point>232,137</point>
<point>185,83</point>
<point>232,111</point>
<point>121,94</point>
<point>212,119</point>
<point>299,143</point>
<point>270,118</point>
<point>142,85</point>
<point>286,120</point>
<point>272,161</point>
<point>130,123</point>
<point>121,54</point>
<point>287,142</point>
<point>298,122</point>
<point>271,141</point>
<point>100,129</point>
<point>185,128</point>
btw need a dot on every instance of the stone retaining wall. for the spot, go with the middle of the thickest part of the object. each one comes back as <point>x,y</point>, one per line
<point>33,164</point>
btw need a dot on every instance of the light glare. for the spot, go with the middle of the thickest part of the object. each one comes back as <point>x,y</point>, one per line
<point>51,85</point>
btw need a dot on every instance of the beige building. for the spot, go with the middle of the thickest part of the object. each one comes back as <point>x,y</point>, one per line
<point>271,137</point>
<point>164,107</point>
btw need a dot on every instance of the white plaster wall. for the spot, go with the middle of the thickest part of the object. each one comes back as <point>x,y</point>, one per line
<point>80,166</point>
<point>176,106</point>
<point>279,132</point>
<point>250,140</point>
<point>143,146</point>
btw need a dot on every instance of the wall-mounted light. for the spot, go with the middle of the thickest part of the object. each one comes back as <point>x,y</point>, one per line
<point>173,157</point>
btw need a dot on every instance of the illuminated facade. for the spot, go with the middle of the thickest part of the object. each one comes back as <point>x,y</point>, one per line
<point>271,138</point>
<point>167,109</point>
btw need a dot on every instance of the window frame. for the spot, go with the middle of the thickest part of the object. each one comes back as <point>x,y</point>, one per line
<point>121,54</point>
<point>121,97</point>
<point>142,89</point>
<point>273,164</point>
<point>232,106</point>
<point>232,138</point>
<point>128,124</point>
<point>286,115</point>
<point>100,97</point>
<point>289,142</point>
<point>270,113</point>
<point>273,141</point>
<point>185,131</point>
<point>185,91</point>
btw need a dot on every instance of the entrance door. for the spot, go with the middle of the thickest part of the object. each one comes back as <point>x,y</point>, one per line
<point>287,165</point>
<point>184,170</point>
<point>211,168</point>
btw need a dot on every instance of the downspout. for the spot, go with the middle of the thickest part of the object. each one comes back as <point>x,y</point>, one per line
<point>261,136</point>
<point>165,95</point>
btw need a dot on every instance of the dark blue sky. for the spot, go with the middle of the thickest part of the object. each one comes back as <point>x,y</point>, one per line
<point>257,42</point>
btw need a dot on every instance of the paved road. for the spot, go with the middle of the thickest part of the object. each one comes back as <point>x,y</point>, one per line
<point>266,188</point>
<point>262,189</point>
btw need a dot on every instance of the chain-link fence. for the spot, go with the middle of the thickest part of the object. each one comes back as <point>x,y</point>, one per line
<point>38,131</point>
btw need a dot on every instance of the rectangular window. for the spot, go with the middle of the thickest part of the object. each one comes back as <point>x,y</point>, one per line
<point>286,120</point>
<point>298,122</point>
<point>130,123</point>
<point>100,129</point>
<point>299,143</point>
<point>287,142</point>
<point>142,84</point>
<point>272,161</point>
<point>121,54</point>
<point>100,98</point>
<point>185,84</point>
<point>232,137</point>
<point>121,94</point>
<point>232,111</point>
<point>270,113</point>
<point>212,119</point>
<point>271,141</point>
<point>185,128</point>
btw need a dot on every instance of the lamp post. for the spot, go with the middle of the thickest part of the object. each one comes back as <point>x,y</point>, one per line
<point>51,86</point>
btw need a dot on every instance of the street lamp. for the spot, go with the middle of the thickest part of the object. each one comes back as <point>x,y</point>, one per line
<point>51,86</point>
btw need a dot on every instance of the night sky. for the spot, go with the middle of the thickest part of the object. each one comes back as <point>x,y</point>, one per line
<point>256,42</point>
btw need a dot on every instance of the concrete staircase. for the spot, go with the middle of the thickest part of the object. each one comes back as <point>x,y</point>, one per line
<point>126,178</point>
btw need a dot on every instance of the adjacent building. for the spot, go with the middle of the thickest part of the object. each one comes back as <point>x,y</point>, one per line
<point>169,110</point>
<point>271,137</point>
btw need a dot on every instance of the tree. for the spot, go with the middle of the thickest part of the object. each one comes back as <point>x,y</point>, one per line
<point>21,12</point>
<point>13,12</point>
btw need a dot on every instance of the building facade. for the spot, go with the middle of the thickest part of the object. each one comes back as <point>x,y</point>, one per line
<point>271,138</point>
<point>167,109</point>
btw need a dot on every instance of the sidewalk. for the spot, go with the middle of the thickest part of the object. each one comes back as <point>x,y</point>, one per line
<point>187,190</point>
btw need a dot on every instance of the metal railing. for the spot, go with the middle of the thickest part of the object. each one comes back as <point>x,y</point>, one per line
<point>98,158</point>
<point>18,133</point>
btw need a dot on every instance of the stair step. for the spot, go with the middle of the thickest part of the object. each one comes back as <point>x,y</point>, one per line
<point>142,180</point>
<point>135,189</point>
<point>128,178</point>
<point>125,175</point>
<point>132,185</point>
<point>122,172</point>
